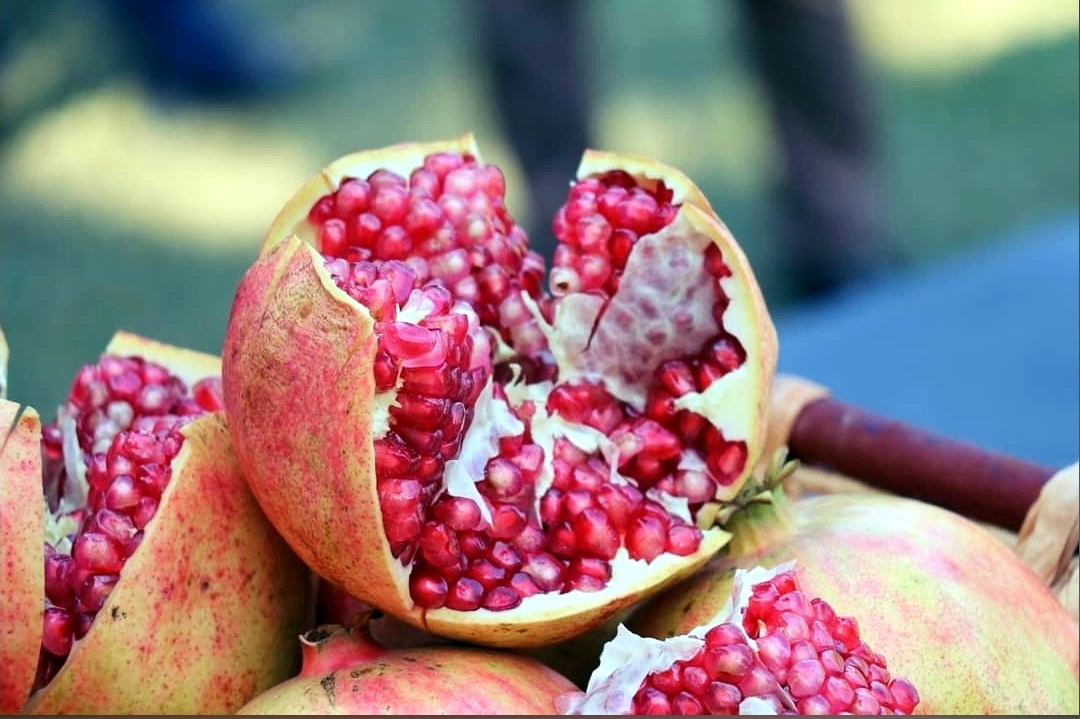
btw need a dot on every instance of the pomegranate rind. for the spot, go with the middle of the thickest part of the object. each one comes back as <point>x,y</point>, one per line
<point>298,389</point>
<point>206,612</point>
<point>949,606</point>
<point>419,681</point>
<point>297,384</point>
<point>22,561</point>
<point>738,402</point>
<point>402,158</point>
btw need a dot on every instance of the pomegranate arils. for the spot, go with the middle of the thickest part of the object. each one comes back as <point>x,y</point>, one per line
<point>450,217</point>
<point>774,661</point>
<point>598,226</point>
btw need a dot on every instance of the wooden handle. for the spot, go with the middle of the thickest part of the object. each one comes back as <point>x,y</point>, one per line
<point>983,485</point>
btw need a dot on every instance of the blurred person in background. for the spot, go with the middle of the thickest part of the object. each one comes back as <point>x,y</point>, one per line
<point>805,55</point>
<point>202,50</point>
<point>831,225</point>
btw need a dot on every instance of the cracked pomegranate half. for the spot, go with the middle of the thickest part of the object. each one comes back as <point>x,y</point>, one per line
<point>151,581</point>
<point>445,441</point>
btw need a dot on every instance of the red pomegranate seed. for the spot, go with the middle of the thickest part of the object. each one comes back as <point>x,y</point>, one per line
<point>524,585</point>
<point>394,243</point>
<point>646,537</point>
<point>721,698</point>
<point>651,701</point>
<point>333,237</point>
<point>465,595</point>
<point>322,210</point>
<point>504,555</point>
<point>507,522</point>
<point>487,573</point>
<point>439,546</point>
<point>58,631</point>
<point>364,230</point>
<point>457,513</point>
<point>406,340</point>
<point>351,198</point>
<point>594,534</point>
<point>572,503</point>
<point>547,571</point>
<point>427,589</point>
<point>683,539</point>
<point>500,599</point>
<point>503,478</point>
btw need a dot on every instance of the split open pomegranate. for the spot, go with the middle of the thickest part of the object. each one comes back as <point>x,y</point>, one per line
<point>150,557</point>
<point>771,649</point>
<point>445,440</point>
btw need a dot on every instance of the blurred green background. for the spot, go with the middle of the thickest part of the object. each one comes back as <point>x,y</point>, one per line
<point>120,211</point>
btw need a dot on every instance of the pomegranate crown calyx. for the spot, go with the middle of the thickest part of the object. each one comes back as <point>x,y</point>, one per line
<point>761,488</point>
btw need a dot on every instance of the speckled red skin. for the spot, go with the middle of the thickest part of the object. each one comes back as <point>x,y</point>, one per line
<point>206,612</point>
<point>951,607</point>
<point>22,568</point>
<point>346,673</point>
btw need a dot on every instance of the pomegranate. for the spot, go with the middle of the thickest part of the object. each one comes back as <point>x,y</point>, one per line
<point>346,672</point>
<point>950,605</point>
<point>771,649</point>
<point>445,441</point>
<point>160,585</point>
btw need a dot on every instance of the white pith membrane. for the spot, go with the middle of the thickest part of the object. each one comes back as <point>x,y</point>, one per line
<point>628,659</point>
<point>608,344</point>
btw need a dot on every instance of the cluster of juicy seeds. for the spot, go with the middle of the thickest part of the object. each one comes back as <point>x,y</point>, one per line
<point>793,653</point>
<point>448,220</point>
<point>526,514</point>
<point>128,413</point>
<point>431,363</point>
<point>599,225</point>
<point>110,396</point>
<point>466,562</point>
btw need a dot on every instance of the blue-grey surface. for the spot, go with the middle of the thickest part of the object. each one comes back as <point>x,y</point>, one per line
<point>983,348</point>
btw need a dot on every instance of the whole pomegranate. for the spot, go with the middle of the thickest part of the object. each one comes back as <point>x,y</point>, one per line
<point>949,604</point>
<point>443,440</point>
<point>152,582</point>
<point>346,672</point>
<point>771,649</point>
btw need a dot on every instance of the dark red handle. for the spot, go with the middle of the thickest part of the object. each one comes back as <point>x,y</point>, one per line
<point>981,484</point>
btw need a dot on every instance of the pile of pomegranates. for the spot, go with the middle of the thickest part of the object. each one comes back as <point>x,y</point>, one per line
<point>426,476</point>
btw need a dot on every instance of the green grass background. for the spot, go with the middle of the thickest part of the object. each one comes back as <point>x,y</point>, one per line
<point>119,212</point>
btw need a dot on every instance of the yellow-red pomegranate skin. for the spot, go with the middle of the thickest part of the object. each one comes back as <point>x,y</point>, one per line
<point>206,610</point>
<point>951,607</point>
<point>351,675</point>
<point>22,568</point>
